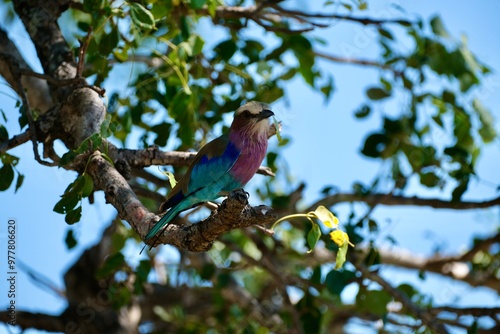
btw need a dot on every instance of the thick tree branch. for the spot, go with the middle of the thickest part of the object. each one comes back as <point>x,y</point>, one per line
<point>154,156</point>
<point>26,320</point>
<point>40,19</point>
<point>233,213</point>
<point>10,57</point>
<point>394,200</point>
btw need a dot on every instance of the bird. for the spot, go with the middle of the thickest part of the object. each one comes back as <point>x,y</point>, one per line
<point>225,164</point>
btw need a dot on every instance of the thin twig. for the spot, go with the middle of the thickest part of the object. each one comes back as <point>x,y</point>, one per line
<point>43,281</point>
<point>363,20</point>
<point>78,81</point>
<point>355,61</point>
<point>82,51</point>
<point>31,122</point>
<point>395,200</point>
<point>14,141</point>
<point>426,317</point>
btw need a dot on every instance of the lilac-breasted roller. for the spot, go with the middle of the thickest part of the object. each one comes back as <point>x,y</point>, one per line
<point>223,165</point>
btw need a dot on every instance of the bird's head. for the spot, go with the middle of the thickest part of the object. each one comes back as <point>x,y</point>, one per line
<point>252,117</point>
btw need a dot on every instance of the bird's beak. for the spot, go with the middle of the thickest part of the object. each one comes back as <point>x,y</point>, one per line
<point>265,113</point>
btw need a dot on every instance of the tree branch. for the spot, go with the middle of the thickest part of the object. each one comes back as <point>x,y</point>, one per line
<point>233,213</point>
<point>10,57</point>
<point>154,156</point>
<point>392,200</point>
<point>354,61</point>
<point>14,141</point>
<point>492,312</point>
<point>26,320</point>
<point>426,317</point>
<point>299,15</point>
<point>271,17</point>
<point>456,267</point>
<point>40,19</point>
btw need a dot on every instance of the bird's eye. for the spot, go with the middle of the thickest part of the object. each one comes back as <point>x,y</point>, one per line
<point>247,114</point>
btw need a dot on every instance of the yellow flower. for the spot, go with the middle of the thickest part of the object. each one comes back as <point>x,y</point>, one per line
<point>326,217</point>
<point>339,237</point>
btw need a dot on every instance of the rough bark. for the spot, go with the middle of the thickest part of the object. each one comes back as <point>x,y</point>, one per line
<point>38,90</point>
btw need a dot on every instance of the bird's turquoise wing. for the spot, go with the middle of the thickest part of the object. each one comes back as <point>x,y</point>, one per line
<point>214,165</point>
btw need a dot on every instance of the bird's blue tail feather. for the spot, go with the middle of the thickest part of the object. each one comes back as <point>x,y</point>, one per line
<point>164,221</point>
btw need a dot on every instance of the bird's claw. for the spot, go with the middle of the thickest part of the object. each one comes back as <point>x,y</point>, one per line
<point>241,195</point>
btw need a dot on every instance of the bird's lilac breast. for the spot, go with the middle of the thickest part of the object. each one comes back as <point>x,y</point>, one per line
<point>248,162</point>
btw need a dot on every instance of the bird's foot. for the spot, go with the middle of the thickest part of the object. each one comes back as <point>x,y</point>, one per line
<point>241,195</point>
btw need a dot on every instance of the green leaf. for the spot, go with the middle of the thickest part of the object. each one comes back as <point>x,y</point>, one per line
<point>143,269</point>
<point>141,17</point>
<point>113,263</point>
<point>448,97</point>
<point>73,216</point>
<point>107,158</point>
<point>363,112</point>
<point>277,126</point>
<point>253,50</point>
<point>372,258</point>
<point>375,144</point>
<point>88,185</point>
<point>196,43</point>
<point>373,301</point>
<point>385,33</point>
<point>171,179</point>
<point>197,4</point>
<point>19,183</point>
<point>6,177</point>
<point>429,179</point>
<point>328,89</point>
<point>162,131</point>
<point>66,203</point>
<point>207,271</point>
<point>310,315</point>
<point>487,130</point>
<point>313,236</point>
<point>337,280</point>
<point>407,289</point>
<point>4,134</point>
<point>67,158</point>
<point>226,49</point>
<point>459,190</point>
<point>302,48</point>
<point>109,41</point>
<point>3,115</point>
<point>341,256</point>
<point>77,186</point>
<point>71,196</point>
<point>106,127</point>
<point>23,119</point>
<point>212,7</point>
<point>92,142</point>
<point>474,328</point>
<point>182,110</point>
<point>70,240</point>
<point>377,93</point>
<point>438,27</point>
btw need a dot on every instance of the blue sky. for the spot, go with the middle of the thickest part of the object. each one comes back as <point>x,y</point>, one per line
<point>326,140</point>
